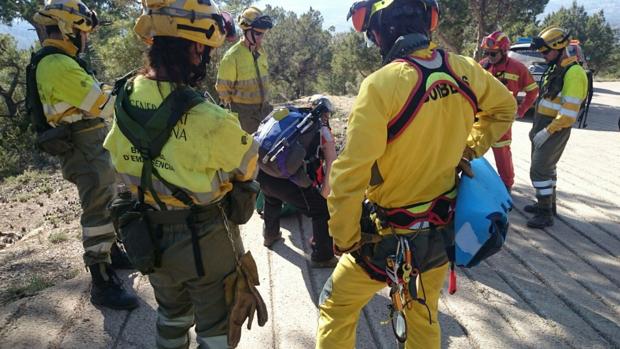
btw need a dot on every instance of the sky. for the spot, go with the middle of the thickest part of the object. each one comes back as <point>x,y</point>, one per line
<point>334,11</point>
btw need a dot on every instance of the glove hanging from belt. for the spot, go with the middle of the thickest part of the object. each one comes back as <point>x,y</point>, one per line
<point>243,298</point>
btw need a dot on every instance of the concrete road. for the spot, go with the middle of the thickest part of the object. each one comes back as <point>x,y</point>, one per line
<point>552,288</point>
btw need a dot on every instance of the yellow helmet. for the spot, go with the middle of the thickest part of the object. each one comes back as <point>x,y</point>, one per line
<point>195,20</point>
<point>67,15</point>
<point>253,18</point>
<point>551,38</point>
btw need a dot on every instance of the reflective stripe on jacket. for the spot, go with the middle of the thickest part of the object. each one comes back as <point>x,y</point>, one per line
<point>515,76</point>
<point>419,165</point>
<point>564,108</point>
<point>68,93</point>
<point>207,149</point>
<point>241,78</point>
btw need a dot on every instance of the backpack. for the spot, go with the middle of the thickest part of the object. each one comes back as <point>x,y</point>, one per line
<point>52,140</point>
<point>285,138</point>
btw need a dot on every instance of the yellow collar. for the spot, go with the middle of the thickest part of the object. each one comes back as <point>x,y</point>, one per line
<point>426,52</point>
<point>64,45</point>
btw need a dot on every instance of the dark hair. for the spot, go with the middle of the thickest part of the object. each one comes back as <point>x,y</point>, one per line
<point>170,57</point>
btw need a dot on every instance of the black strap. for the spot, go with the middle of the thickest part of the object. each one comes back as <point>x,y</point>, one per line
<point>419,95</point>
<point>34,106</point>
<point>149,138</point>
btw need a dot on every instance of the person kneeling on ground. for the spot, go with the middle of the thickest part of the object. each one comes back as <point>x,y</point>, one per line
<point>311,201</point>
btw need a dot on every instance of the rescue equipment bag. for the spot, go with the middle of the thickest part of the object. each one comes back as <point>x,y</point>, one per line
<point>284,139</point>
<point>481,215</point>
<point>52,140</point>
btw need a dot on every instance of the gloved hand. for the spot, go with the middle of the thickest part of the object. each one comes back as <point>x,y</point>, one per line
<point>464,166</point>
<point>241,293</point>
<point>365,239</point>
<point>540,138</point>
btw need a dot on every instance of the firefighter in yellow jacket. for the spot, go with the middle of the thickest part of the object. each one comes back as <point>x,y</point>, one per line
<point>564,87</point>
<point>72,127</point>
<point>186,179</point>
<point>411,125</point>
<point>243,76</point>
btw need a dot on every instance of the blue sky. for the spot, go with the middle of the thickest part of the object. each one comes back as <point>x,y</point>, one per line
<point>334,11</point>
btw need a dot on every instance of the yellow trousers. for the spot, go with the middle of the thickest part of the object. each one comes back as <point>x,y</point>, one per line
<point>348,290</point>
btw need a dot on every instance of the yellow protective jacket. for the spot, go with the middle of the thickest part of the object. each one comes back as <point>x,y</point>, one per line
<point>207,149</point>
<point>564,108</point>
<point>241,78</point>
<point>68,93</point>
<point>419,165</point>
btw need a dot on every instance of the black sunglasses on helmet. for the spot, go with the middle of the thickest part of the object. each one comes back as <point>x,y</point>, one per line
<point>262,22</point>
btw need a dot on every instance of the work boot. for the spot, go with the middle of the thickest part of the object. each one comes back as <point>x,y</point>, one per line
<point>107,290</point>
<point>543,217</point>
<point>533,208</point>
<point>119,257</point>
<point>270,239</point>
<point>329,263</point>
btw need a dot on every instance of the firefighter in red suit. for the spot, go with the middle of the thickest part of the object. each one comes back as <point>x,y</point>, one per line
<point>515,76</point>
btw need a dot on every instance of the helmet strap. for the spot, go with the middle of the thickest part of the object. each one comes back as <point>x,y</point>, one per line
<point>199,72</point>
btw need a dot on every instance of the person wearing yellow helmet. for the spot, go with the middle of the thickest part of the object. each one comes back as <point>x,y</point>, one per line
<point>67,105</point>
<point>243,75</point>
<point>413,122</point>
<point>563,90</point>
<point>189,168</point>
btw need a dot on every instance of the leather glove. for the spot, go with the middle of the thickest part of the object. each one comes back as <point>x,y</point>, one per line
<point>365,239</point>
<point>540,138</point>
<point>464,166</point>
<point>241,293</point>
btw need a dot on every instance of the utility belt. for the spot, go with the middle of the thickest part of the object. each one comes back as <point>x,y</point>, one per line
<point>140,225</point>
<point>421,216</point>
<point>58,140</point>
<point>399,258</point>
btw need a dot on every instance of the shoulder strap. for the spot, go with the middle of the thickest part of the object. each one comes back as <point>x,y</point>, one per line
<point>34,107</point>
<point>151,137</point>
<point>420,95</point>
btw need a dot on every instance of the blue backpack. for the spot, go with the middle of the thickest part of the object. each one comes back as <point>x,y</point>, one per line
<point>481,215</point>
<point>284,139</point>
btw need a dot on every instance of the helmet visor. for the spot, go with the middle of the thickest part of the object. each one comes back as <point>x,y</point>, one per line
<point>262,22</point>
<point>488,43</point>
<point>359,13</point>
<point>539,44</point>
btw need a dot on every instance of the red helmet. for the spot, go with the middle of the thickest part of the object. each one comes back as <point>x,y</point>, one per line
<point>496,41</point>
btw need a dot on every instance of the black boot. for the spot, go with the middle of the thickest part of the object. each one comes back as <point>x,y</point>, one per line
<point>533,208</point>
<point>119,257</point>
<point>107,290</point>
<point>543,217</point>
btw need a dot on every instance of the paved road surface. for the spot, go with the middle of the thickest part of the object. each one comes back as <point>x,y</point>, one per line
<point>552,288</point>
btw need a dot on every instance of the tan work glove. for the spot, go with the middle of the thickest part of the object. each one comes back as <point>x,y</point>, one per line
<point>241,293</point>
